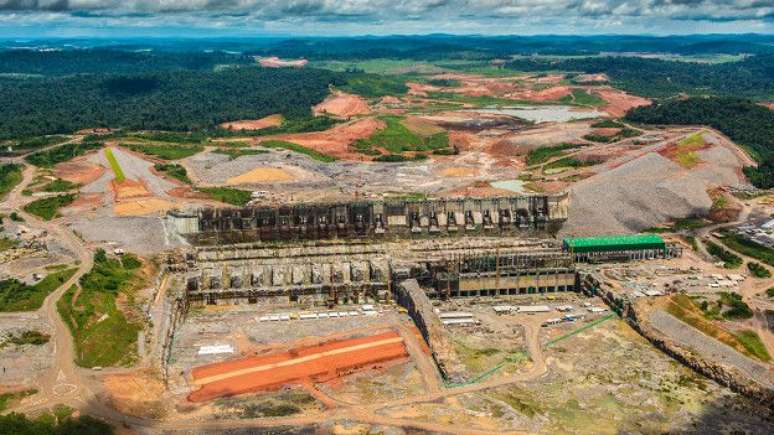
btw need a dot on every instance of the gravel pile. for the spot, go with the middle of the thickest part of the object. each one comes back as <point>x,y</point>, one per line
<point>646,192</point>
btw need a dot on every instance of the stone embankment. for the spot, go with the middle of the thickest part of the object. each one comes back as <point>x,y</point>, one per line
<point>704,354</point>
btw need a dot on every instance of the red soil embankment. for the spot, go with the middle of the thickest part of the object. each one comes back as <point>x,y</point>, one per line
<point>317,363</point>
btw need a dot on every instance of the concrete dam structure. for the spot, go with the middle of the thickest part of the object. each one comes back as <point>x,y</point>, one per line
<point>335,272</point>
<point>525,215</point>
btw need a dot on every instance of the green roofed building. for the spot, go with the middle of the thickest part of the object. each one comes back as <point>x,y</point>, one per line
<point>624,247</point>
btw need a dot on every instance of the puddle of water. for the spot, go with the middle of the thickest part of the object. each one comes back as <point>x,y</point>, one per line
<point>516,186</point>
<point>544,113</point>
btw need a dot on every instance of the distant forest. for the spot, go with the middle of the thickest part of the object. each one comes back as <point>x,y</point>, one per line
<point>745,122</point>
<point>752,77</point>
<point>175,100</point>
<point>111,61</point>
<point>439,47</point>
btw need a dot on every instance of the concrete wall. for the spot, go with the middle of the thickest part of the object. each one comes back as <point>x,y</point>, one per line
<point>525,214</point>
<point>409,295</point>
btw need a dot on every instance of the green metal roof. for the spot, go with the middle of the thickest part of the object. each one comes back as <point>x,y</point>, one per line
<point>614,243</point>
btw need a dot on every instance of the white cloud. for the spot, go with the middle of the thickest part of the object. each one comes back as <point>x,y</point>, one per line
<point>422,16</point>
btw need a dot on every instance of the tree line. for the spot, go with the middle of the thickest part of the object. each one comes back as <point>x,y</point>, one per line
<point>173,100</point>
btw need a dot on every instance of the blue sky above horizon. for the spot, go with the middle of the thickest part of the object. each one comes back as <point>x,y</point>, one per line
<point>190,18</point>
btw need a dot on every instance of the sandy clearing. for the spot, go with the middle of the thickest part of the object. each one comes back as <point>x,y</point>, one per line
<point>128,189</point>
<point>276,62</point>
<point>138,393</point>
<point>336,141</point>
<point>588,78</point>
<point>458,172</point>
<point>619,102</point>
<point>141,207</point>
<point>255,124</point>
<point>262,175</point>
<point>421,126</point>
<point>548,94</point>
<point>342,105</point>
<point>78,171</point>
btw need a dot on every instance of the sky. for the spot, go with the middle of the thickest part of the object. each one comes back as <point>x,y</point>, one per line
<point>192,18</point>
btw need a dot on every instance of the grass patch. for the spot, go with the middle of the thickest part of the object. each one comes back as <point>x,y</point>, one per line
<point>683,308</point>
<point>8,399</point>
<point>165,152</point>
<point>18,296</point>
<point>569,162</point>
<point>476,360</point>
<point>685,151</point>
<point>102,333</point>
<point>757,270</point>
<point>729,259</point>
<point>543,154</point>
<point>738,309</point>
<point>520,400</point>
<point>10,177</point>
<point>375,85</point>
<point>749,248</point>
<point>33,143</point>
<point>752,342</point>
<point>173,170</point>
<point>6,243</point>
<point>397,138</point>
<point>63,153</point>
<point>34,338</point>
<point>281,144</point>
<point>234,153</point>
<point>228,195</point>
<point>289,125</point>
<point>582,98</point>
<point>53,424</point>
<point>60,185</point>
<point>48,208</point>
<point>119,173</point>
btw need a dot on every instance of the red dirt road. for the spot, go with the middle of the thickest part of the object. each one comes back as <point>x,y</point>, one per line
<point>318,363</point>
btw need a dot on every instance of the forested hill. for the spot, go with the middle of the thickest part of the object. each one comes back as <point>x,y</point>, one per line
<point>179,100</point>
<point>745,122</point>
<point>752,77</point>
<point>110,61</point>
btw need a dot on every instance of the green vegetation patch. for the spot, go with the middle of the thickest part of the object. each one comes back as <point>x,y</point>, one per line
<point>758,271</point>
<point>543,154</point>
<point>374,85</point>
<point>234,153</point>
<point>173,170</point>
<point>281,144</point>
<point>737,308</point>
<point>6,243</point>
<point>18,296</point>
<point>63,153</point>
<point>570,162</point>
<point>397,138</point>
<point>749,248</point>
<point>48,208</point>
<point>10,177</point>
<point>165,152</point>
<point>303,124</point>
<point>752,342</point>
<point>228,195</point>
<point>729,259</point>
<point>60,185</point>
<point>683,308</point>
<point>29,337</point>
<point>581,97</point>
<point>8,399</point>
<point>53,424</point>
<point>119,173</point>
<point>103,334</point>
